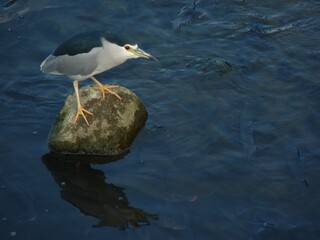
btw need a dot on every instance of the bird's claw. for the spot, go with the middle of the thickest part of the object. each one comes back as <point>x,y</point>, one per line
<point>81,112</point>
<point>103,88</point>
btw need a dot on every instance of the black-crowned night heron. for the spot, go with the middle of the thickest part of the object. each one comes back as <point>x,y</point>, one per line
<point>87,54</point>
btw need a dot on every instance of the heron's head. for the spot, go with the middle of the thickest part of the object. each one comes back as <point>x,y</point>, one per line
<point>133,51</point>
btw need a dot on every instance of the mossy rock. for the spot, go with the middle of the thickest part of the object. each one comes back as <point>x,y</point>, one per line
<point>111,130</point>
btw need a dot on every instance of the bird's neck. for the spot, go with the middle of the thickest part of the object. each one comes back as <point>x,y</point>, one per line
<point>111,56</point>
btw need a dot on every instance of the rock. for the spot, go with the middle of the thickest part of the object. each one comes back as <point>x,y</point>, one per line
<point>113,126</point>
<point>206,65</point>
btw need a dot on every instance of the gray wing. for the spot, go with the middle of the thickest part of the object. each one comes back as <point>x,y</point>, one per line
<point>81,64</point>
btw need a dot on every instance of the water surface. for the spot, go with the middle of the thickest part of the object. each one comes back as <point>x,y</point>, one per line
<point>231,146</point>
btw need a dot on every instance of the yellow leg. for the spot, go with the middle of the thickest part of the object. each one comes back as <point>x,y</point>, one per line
<point>81,110</point>
<point>103,88</point>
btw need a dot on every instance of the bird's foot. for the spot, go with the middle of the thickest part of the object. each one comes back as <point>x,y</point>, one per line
<point>107,88</point>
<point>81,112</point>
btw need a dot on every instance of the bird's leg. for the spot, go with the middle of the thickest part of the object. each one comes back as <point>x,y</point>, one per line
<point>81,110</point>
<point>103,88</point>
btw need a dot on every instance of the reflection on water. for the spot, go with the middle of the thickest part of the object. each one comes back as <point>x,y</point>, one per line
<point>85,188</point>
<point>190,14</point>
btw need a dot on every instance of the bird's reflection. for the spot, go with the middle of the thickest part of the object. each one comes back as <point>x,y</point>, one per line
<point>85,188</point>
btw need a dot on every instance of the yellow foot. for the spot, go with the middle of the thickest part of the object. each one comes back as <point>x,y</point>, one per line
<point>81,112</point>
<point>103,88</point>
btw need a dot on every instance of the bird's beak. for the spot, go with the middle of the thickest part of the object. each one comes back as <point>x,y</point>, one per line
<point>140,53</point>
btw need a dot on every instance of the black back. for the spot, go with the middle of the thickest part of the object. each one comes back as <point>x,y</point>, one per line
<point>84,42</point>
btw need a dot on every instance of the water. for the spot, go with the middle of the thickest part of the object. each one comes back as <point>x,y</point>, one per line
<point>231,146</point>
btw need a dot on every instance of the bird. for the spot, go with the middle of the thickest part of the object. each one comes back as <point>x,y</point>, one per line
<point>87,54</point>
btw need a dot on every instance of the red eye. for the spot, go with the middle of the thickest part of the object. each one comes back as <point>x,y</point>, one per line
<point>127,47</point>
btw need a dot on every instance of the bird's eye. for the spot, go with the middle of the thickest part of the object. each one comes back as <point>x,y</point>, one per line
<point>127,47</point>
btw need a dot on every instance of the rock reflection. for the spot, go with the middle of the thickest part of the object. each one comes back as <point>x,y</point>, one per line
<point>85,188</point>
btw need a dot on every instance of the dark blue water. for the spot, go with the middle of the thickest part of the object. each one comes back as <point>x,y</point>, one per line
<point>231,146</point>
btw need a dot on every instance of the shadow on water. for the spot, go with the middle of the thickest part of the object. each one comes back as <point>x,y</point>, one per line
<point>85,188</point>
